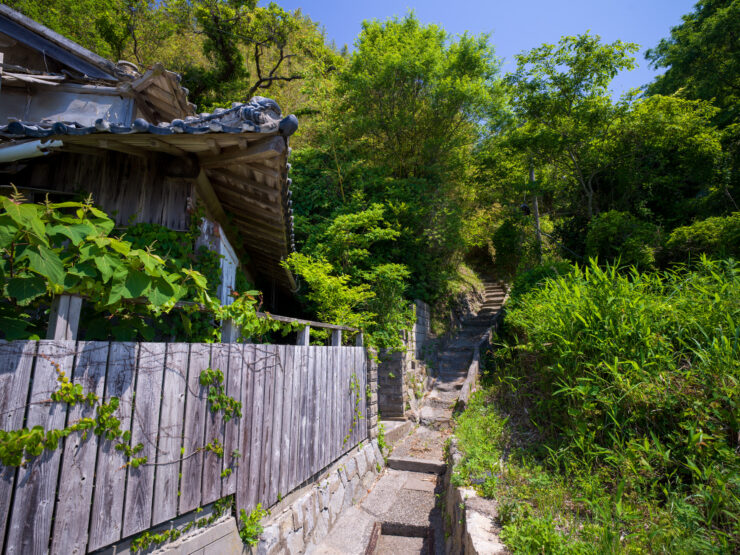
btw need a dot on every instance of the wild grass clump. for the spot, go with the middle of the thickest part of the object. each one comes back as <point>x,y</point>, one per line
<point>620,393</point>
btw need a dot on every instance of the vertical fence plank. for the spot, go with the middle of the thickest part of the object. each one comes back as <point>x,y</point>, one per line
<point>305,424</point>
<point>215,431</point>
<point>277,424</point>
<point>137,513</point>
<point>78,462</point>
<point>257,376</point>
<point>296,454</point>
<point>286,435</point>
<point>245,430</point>
<point>232,427</point>
<point>345,397</point>
<point>313,409</point>
<point>195,420</point>
<point>110,474</point>
<point>171,424</point>
<point>325,433</point>
<point>16,362</point>
<point>268,351</point>
<point>360,399</point>
<point>334,442</point>
<point>35,490</point>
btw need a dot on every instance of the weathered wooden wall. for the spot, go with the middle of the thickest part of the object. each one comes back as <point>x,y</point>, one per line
<point>131,189</point>
<point>299,405</point>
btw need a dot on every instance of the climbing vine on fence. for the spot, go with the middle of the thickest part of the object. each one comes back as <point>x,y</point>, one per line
<point>354,390</point>
<point>18,446</point>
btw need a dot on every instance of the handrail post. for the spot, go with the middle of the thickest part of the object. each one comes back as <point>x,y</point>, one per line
<point>64,317</point>
<point>304,337</point>
<point>229,331</point>
<point>336,338</point>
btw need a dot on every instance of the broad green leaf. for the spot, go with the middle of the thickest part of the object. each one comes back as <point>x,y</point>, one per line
<point>136,284</point>
<point>160,293</point>
<point>75,232</point>
<point>46,262</point>
<point>26,289</point>
<point>121,247</point>
<point>14,328</point>
<point>107,265</point>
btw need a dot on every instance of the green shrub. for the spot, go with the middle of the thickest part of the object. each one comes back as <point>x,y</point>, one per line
<point>714,236</point>
<point>507,243</point>
<point>623,389</point>
<point>528,280</point>
<point>614,235</point>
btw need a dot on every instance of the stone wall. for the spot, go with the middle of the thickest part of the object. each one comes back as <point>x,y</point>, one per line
<point>470,521</point>
<point>404,376</point>
<point>305,517</point>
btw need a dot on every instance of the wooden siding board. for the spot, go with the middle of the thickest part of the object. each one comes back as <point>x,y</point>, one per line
<point>195,420</point>
<point>171,423</point>
<point>212,463</point>
<point>287,427</point>
<point>257,376</point>
<point>78,461</point>
<point>268,351</point>
<point>110,474</point>
<point>277,425</point>
<point>16,363</point>
<point>233,426</point>
<point>245,430</point>
<point>295,453</point>
<point>137,515</point>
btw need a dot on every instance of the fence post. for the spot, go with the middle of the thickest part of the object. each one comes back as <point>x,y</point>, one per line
<point>336,338</point>
<point>304,337</point>
<point>359,340</point>
<point>64,317</point>
<point>229,332</point>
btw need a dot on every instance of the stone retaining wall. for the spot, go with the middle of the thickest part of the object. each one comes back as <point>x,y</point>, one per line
<point>470,521</point>
<point>305,517</point>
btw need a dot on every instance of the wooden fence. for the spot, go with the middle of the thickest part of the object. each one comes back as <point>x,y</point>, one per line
<point>303,407</point>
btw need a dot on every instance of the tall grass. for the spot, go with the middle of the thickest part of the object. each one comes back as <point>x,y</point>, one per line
<point>631,383</point>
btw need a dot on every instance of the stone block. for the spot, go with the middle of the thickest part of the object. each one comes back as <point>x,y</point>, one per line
<point>350,468</point>
<point>297,518</point>
<point>269,539</point>
<point>322,527</point>
<point>295,542</point>
<point>323,495</point>
<point>349,493</point>
<point>334,482</point>
<point>285,524</point>
<point>335,504</point>
<point>369,456</point>
<point>308,506</point>
<point>378,455</point>
<point>361,463</point>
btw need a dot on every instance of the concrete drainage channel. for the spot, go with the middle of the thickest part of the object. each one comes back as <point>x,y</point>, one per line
<point>414,524</point>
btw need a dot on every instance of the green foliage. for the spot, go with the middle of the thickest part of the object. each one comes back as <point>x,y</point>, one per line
<point>217,398</point>
<point>630,385</point>
<point>249,524</point>
<point>718,237</point>
<point>531,279</point>
<point>66,248</point>
<point>701,57</point>
<point>619,236</point>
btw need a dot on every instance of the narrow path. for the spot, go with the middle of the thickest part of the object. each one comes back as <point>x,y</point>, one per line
<point>400,514</point>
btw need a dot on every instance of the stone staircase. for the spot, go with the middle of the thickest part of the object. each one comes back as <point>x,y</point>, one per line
<point>400,514</point>
<point>456,356</point>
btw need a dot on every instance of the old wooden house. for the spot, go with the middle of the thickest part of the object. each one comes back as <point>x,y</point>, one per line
<point>72,122</point>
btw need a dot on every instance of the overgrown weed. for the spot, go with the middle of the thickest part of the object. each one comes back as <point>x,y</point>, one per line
<point>610,419</point>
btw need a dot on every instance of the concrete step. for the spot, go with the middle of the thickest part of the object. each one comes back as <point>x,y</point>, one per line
<point>416,465</point>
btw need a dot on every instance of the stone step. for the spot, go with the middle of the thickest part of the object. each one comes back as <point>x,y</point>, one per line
<point>416,465</point>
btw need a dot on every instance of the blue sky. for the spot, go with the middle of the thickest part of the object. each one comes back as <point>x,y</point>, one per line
<point>515,25</point>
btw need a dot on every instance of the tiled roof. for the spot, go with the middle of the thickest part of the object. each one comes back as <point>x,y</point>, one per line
<point>259,115</point>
